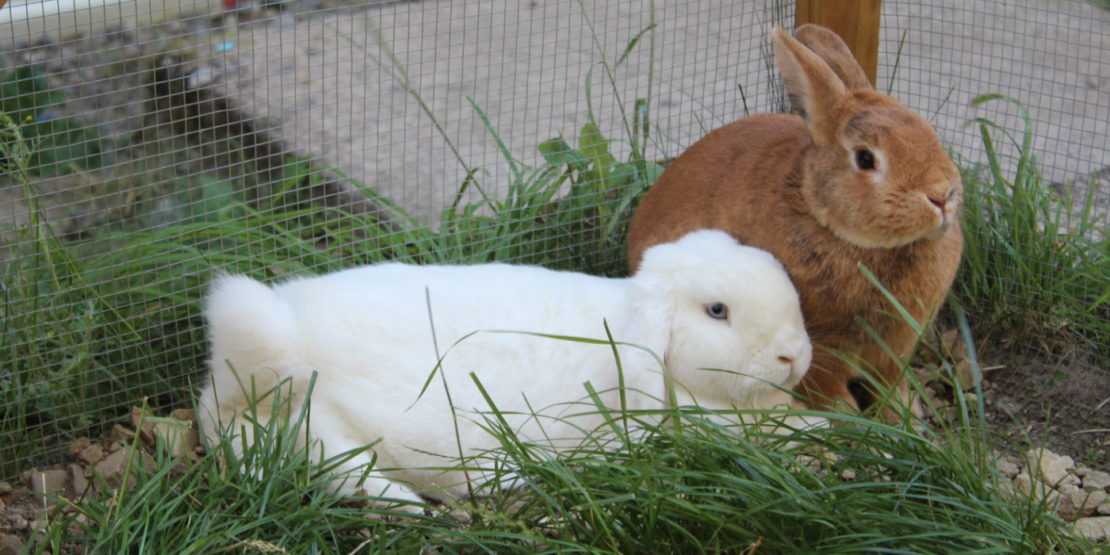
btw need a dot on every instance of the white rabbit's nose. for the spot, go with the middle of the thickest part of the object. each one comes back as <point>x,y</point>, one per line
<point>794,355</point>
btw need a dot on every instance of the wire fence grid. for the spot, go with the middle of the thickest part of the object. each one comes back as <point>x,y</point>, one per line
<point>173,123</point>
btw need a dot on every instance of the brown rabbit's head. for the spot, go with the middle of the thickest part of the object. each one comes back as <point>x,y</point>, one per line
<point>875,173</point>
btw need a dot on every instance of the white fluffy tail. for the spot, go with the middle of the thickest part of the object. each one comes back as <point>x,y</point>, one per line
<point>252,332</point>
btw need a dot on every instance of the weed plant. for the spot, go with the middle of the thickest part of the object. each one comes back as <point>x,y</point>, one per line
<point>1036,266</point>
<point>693,484</point>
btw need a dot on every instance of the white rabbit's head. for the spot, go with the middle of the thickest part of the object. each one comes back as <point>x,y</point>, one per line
<point>727,315</point>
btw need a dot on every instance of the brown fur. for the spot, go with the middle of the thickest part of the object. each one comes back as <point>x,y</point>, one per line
<point>787,184</point>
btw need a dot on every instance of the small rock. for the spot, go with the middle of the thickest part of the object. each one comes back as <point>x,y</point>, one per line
<point>78,484</point>
<point>1095,528</point>
<point>965,375</point>
<point>91,454</point>
<point>140,420</point>
<point>1081,471</point>
<point>187,415</point>
<point>10,545</point>
<point>79,445</point>
<point>178,436</point>
<point>1037,489</point>
<point>1049,467</point>
<point>1077,503</point>
<point>1008,468</point>
<point>17,522</point>
<point>49,483</point>
<point>1024,483</point>
<point>121,433</point>
<point>848,475</point>
<point>5,487</point>
<point>111,469</point>
<point>1104,509</point>
<point>1096,479</point>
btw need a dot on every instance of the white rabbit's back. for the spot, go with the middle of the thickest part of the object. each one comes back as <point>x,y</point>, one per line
<point>367,332</point>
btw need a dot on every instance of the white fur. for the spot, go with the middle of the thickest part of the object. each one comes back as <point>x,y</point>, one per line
<point>367,333</point>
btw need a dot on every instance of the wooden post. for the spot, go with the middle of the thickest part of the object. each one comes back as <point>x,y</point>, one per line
<point>856,21</point>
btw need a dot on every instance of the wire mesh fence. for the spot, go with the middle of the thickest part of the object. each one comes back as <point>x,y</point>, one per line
<point>150,146</point>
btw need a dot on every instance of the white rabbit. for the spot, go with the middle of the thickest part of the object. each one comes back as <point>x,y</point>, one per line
<point>703,302</point>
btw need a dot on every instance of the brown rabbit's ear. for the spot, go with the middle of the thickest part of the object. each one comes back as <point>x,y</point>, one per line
<point>810,83</point>
<point>831,48</point>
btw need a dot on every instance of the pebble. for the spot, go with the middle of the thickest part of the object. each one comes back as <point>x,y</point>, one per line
<point>112,467</point>
<point>1078,503</point>
<point>1095,480</point>
<point>1049,467</point>
<point>49,483</point>
<point>1095,528</point>
<point>78,483</point>
<point>92,454</point>
<point>1009,467</point>
<point>10,545</point>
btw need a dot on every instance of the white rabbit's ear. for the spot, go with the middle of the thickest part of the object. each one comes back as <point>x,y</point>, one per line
<point>813,87</point>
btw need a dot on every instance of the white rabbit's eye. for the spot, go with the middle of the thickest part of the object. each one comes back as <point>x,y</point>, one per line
<point>717,310</point>
<point>865,159</point>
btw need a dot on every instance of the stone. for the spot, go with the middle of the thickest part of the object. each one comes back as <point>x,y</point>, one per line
<point>10,545</point>
<point>1104,509</point>
<point>1037,489</point>
<point>1049,467</point>
<point>178,436</point>
<point>91,454</point>
<point>49,484</point>
<point>5,487</point>
<point>1008,467</point>
<point>140,420</point>
<point>122,433</point>
<point>112,467</point>
<point>1096,479</point>
<point>1078,503</point>
<point>187,415</point>
<point>965,375</point>
<point>78,483</point>
<point>1095,528</point>
<point>1082,471</point>
<point>79,445</point>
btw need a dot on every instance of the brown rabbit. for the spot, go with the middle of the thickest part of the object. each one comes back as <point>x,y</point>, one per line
<point>854,177</point>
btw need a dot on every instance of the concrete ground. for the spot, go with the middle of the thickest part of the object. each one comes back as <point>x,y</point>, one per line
<point>335,85</point>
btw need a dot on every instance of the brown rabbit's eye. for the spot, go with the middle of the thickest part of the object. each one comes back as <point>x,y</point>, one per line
<point>865,160</point>
<point>717,310</point>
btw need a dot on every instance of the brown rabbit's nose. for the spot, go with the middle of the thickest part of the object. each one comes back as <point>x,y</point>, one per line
<point>942,202</point>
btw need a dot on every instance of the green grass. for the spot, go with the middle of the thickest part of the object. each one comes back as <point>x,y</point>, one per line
<point>691,486</point>
<point>1036,266</point>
